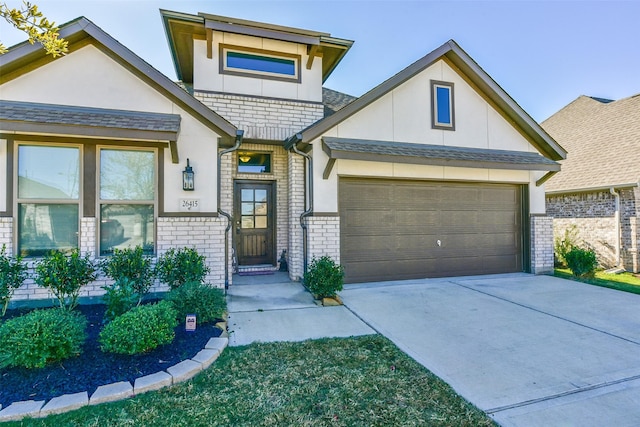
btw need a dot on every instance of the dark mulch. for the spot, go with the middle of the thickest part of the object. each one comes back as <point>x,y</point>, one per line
<point>94,368</point>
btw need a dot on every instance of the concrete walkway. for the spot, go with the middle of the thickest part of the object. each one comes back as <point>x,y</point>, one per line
<point>267,308</point>
<point>528,350</point>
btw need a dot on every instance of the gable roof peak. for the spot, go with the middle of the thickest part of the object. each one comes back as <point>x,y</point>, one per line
<point>455,55</point>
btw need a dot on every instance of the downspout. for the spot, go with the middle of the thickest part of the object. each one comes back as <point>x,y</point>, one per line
<point>239,134</point>
<point>309,196</point>
<point>617,219</point>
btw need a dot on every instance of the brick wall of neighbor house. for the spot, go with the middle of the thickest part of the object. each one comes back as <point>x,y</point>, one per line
<point>296,208</point>
<point>324,237</point>
<point>541,244</point>
<point>593,213</point>
<point>263,118</point>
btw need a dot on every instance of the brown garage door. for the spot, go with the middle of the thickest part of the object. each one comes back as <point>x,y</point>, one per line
<point>393,230</point>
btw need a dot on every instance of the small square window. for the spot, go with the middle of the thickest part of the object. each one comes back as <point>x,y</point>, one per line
<point>252,162</point>
<point>442,105</point>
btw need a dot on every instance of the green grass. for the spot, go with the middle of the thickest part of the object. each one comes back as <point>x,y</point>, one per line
<point>362,381</point>
<point>626,282</point>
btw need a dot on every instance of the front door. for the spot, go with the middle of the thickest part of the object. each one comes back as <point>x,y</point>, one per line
<point>254,222</point>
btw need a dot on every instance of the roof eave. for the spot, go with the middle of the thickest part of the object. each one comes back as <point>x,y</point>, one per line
<point>82,27</point>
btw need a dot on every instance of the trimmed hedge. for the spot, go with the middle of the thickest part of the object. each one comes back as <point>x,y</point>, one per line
<point>206,302</point>
<point>41,337</point>
<point>140,330</point>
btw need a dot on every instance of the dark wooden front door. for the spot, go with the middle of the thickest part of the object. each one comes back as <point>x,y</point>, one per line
<point>254,222</point>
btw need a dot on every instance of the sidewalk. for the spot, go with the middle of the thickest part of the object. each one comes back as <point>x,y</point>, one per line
<point>269,308</point>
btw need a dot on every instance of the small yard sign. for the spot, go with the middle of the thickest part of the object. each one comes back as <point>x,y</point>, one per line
<point>190,324</point>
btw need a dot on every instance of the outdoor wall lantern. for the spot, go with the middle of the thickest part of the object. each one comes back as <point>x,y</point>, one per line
<point>187,178</point>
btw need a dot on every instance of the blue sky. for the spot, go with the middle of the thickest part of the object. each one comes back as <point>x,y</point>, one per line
<point>543,53</point>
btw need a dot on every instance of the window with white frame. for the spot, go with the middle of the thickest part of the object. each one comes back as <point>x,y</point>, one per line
<point>442,105</point>
<point>48,202</point>
<point>126,199</point>
<point>248,62</point>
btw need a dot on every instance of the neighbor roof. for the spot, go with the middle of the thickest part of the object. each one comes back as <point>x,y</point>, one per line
<point>25,57</point>
<point>181,28</point>
<point>473,72</point>
<point>603,141</point>
<point>64,119</point>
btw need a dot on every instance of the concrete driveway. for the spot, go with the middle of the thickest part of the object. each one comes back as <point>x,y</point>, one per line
<point>528,350</point>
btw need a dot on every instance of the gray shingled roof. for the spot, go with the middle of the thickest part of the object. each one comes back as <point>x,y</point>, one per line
<point>334,100</point>
<point>36,113</point>
<point>403,152</point>
<point>603,142</point>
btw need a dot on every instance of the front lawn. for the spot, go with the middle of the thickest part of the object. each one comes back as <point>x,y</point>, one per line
<point>626,282</point>
<point>339,382</point>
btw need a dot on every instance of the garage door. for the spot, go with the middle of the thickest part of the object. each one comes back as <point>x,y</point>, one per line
<point>394,230</point>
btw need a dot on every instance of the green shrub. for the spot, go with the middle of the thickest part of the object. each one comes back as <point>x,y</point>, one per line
<point>119,298</point>
<point>177,267</point>
<point>563,245</point>
<point>131,264</point>
<point>324,277</point>
<point>582,262</point>
<point>40,337</point>
<point>206,302</point>
<point>140,330</point>
<point>64,275</point>
<point>13,273</point>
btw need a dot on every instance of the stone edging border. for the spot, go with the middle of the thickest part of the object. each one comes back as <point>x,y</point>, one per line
<point>118,391</point>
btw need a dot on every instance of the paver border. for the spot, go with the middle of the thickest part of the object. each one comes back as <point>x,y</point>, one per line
<point>16,411</point>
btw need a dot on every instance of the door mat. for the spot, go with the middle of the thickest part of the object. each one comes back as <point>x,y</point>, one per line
<point>255,273</point>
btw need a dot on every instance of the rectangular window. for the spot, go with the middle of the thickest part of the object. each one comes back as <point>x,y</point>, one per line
<point>251,162</point>
<point>235,60</point>
<point>442,108</point>
<point>127,199</point>
<point>48,202</point>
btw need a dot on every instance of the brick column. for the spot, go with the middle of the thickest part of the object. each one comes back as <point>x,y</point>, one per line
<point>541,244</point>
<point>6,234</point>
<point>296,208</point>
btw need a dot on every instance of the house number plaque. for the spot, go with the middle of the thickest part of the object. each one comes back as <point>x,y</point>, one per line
<point>189,205</point>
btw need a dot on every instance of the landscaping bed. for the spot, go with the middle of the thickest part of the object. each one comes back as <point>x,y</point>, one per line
<point>93,367</point>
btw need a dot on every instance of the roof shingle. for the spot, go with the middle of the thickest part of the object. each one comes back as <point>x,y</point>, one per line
<point>602,138</point>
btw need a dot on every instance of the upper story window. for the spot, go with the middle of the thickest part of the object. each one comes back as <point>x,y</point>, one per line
<point>442,105</point>
<point>48,201</point>
<point>248,62</point>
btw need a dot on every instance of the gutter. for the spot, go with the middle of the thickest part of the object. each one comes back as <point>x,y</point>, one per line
<point>589,189</point>
<point>293,144</point>
<point>239,135</point>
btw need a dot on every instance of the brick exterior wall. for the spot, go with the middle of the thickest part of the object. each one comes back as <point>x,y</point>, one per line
<point>593,213</point>
<point>296,190</point>
<point>324,237</point>
<point>6,234</point>
<point>263,118</point>
<point>541,244</point>
<point>205,234</point>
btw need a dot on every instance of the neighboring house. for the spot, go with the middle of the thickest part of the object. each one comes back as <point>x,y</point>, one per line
<point>435,172</point>
<point>598,189</point>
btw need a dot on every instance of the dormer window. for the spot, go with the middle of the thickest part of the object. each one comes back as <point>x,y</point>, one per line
<point>442,106</point>
<point>266,64</point>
